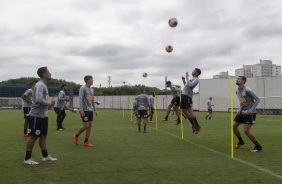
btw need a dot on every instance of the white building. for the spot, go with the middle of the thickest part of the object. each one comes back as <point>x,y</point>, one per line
<point>263,69</point>
<point>222,75</point>
<point>245,71</point>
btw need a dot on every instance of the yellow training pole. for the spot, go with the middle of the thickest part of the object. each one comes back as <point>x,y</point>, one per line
<point>182,132</point>
<point>231,117</point>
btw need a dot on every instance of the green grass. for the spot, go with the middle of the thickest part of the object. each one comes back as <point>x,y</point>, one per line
<point>122,155</point>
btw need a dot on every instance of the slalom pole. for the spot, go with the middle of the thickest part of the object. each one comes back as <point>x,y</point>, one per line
<point>231,117</point>
<point>181,127</point>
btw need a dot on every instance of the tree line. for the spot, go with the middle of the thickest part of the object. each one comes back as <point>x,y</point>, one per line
<point>103,91</point>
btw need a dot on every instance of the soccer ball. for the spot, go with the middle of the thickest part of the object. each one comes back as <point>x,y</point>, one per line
<point>172,22</point>
<point>74,110</point>
<point>98,103</point>
<point>145,75</point>
<point>169,48</point>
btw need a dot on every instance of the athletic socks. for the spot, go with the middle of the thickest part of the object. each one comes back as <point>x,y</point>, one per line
<point>85,140</point>
<point>25,131</point>
<point>28,155</point>
<point>257,144</point>
<point>44,153</point>
<point>191,121</point>
<point>240,140</point>
<point>195,121</point>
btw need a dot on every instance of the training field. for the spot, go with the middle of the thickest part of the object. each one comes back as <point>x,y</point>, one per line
<point>122,155</point>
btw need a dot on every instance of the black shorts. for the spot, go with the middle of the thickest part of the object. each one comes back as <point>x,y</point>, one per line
<point>142,114</point>
<point>88,116</point>
<point>60,112</point>
<point>210,110</point>
<point>245,119</point>
<point>176,101</point>
<point>37,126</point>
<point>26,111</point>
<point>186,102</point>
<point>57,110</point>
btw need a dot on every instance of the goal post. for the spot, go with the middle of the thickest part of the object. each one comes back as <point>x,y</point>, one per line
<point>270,105</point>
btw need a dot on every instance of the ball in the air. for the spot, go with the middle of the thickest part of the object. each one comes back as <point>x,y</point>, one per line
<point>145,74</point>
<point>169,48</point>
<point>74,110</point>
<point>172,22</point>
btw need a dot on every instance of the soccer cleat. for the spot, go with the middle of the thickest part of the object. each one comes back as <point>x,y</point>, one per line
<point>30,162</point>
<point>256,149</point>
<point>25,135</point>
<point>239,144</point>
<point>48,158</point>
<point>193,129</point>
<point>135,122</point>
<point>87,144</point>
<point>165,119</point>
<point>152,121</point>
<point>197,129</point>
<point>75,139</point>
<point>206,117</point>
<point>177,123</point>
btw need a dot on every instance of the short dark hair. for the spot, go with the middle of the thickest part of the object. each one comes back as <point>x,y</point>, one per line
<point>62,86</point>
<point>167,82</point>
<point>243,78</point>
<point>87,77</point>
<point>41,71</point>
<point>198,71</point>
<point>210,97</point>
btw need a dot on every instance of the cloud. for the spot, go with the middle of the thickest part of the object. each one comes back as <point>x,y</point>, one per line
<point>123,38</point>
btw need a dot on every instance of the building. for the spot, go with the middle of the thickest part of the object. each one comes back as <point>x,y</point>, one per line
<point>222,75</point>
<point>263,69</point>
<point>245,71</point>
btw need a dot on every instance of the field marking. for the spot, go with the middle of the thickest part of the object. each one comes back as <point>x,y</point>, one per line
<point>237,159</point>
<point>274,120</point>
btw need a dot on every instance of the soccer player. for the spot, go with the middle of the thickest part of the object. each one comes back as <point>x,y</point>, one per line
<point>142,105</point>
<point>186,99</point>
<point>38,118</point>
<point>209,109</point>
<point>86,108</point>
<point>60,106</point>
<point>245,115</point>
<point>152,101</point>
<point>175,102</point>
<point>27,101</point>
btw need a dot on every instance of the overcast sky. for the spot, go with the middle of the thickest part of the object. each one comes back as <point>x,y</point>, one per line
<point>124,38</point>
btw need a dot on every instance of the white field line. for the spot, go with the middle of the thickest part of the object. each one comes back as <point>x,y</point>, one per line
<point>225,155</point>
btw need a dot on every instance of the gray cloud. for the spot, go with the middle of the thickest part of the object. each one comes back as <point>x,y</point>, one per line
<point>125,38</point>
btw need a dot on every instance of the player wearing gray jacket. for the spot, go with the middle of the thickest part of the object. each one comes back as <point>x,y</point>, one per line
<point>27,102</point>
<point>86,108</point>
<point>245,115</point>
<point>186,99</point>
<point>142,105</point>
<point>38,117</point>
<point>60,106</point>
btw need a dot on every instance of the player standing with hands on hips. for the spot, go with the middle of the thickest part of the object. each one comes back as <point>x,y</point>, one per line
<point>86,108</point>
<point>38,118</point>
<point>245,115</point>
